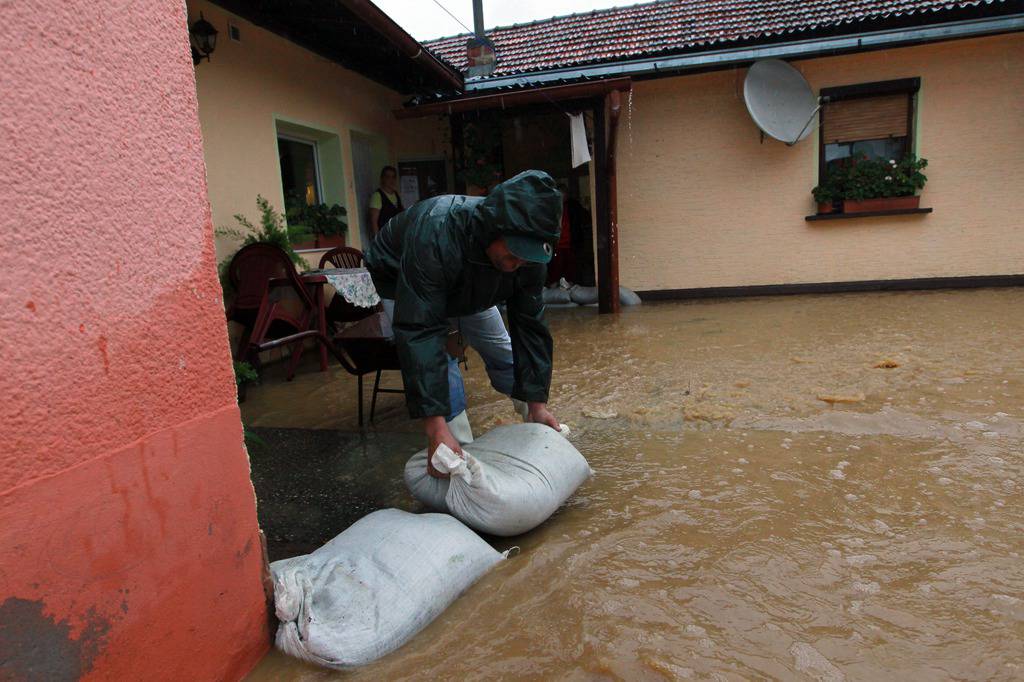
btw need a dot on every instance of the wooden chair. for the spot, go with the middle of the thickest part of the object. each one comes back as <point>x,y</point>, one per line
<point>263,277</point>
<point>342,257</point>
<point>365,348</point>
<point>340,310</point>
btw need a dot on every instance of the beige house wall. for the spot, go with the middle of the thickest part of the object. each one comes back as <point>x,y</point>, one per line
<point>249,85</point>
<point>703,203</point>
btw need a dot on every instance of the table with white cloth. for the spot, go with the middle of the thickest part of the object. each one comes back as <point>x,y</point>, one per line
<point>353,284</point>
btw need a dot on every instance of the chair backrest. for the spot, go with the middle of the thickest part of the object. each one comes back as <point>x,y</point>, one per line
<point>253,266</point>
<point>342,257</point>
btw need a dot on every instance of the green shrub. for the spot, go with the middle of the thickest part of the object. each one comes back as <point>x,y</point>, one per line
<point>272,230</point>
<point>245,373</point>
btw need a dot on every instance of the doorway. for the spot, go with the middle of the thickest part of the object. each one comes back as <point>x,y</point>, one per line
<point>369,156</point>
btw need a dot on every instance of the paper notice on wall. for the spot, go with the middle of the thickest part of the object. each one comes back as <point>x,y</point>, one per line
<point>409,188</point>
<point>578,137</point>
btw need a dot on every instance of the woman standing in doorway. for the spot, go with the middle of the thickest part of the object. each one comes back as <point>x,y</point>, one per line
<point>385,203</point>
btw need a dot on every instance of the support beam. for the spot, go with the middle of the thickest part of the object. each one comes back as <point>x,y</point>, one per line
<point>515,98</point>
<point>458,152</point>
<point>606,119</point>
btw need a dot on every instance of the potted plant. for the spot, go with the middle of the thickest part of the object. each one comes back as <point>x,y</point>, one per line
<point>829,194</point>
<point>326,225</point>
<point>880,185</point>
<point>272,230</point>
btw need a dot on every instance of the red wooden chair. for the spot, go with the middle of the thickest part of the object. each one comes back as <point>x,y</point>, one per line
<point>271,301</point>
<point>342,257</point>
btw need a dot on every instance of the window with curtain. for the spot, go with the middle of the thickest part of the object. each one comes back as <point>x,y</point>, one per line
<point>872,119</point>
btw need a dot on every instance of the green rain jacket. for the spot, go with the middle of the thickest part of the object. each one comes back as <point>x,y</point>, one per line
<point>431,260</point>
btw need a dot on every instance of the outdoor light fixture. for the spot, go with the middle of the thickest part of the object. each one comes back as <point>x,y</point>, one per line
<point>203,37</point>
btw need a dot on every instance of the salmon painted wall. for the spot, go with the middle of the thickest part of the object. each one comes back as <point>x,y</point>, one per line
<point>702,203</point>
<point>249,85</point>
<point>127,518</point>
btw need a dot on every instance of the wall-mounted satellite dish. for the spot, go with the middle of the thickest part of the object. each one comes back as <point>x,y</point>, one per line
<point>780,100</point>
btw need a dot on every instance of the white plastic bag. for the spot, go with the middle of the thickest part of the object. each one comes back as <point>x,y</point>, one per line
<point>511,480</point>
<point>370,589</point>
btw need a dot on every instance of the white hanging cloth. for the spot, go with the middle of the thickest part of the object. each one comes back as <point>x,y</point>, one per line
<point>578,137</point>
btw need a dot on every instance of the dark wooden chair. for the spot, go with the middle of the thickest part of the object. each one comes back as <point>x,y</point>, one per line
<point>271,300</point>
<point>364,348</point>
<point>342,257</point>
<point>340,310</point>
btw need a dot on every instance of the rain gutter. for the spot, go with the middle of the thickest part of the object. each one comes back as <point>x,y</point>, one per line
<point>791,50</point>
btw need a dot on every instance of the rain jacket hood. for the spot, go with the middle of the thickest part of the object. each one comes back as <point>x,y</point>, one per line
<point>528,204</point>
<point>431,259</point>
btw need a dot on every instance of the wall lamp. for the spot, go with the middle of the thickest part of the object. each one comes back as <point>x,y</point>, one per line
<point>203,37</point>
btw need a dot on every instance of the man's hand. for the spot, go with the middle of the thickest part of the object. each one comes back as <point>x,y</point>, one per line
<point>538,414</point>
<point>437,432</point>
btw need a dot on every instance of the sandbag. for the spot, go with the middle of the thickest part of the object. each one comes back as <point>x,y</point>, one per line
<point>511,480</point>
<point>583,295</point>
<point>370,589</point>
<point>556,296</point>
<point>588,295</point>
<point>628,297</point>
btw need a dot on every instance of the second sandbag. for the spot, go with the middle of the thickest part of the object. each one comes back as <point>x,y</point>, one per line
<point>370,589</point>
<point>509,481</point>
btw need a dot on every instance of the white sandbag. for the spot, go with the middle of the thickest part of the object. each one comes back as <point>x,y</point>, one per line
<point>370,589</point>
<point>556,296</point>
<point>588,295</point>
<point>628,297</point>
<point>583,295</point>
<point>511,480</point>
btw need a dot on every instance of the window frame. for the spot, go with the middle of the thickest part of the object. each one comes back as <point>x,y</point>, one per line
<point>316,161</point>
<point>907,86</point>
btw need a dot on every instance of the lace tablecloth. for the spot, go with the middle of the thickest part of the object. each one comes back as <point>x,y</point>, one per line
<point>353,284</point>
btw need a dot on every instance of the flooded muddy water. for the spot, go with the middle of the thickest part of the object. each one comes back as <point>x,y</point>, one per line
<point>819,488</point>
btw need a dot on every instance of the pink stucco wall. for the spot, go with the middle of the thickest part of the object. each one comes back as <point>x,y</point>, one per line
<point>127,518</point>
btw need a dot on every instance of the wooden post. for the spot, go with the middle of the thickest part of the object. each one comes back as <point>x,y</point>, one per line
<point>458,153</point>
<point>601,202</point>
<point>614,107</point>
<point>606,118</point>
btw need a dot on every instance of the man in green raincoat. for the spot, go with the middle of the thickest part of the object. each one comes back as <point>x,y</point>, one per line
<point>447,262</point>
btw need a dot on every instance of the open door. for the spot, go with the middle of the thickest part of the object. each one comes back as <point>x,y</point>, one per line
<point>369,156</point>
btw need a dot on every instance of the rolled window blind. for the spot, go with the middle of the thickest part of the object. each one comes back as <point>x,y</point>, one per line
<point>866,118</point>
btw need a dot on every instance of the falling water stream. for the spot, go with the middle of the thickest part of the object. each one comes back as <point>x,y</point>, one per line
<point>822,487</point>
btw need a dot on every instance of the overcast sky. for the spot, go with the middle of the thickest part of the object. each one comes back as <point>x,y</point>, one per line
<point>423,19</point>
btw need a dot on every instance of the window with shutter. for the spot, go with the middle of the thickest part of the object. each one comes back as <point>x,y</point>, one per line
<point>873,120</point>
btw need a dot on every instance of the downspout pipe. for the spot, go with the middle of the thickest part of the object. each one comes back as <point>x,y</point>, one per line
<point>407,45</point>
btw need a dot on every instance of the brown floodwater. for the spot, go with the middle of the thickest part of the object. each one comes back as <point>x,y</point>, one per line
<point>815,487</point>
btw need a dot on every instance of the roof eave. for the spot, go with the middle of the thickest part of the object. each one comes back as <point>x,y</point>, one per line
<point>409,46</point>
<point>668,65</point>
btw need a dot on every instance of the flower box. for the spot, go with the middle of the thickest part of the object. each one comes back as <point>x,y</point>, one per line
<point>881,204</point>
<point>321,242</point>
